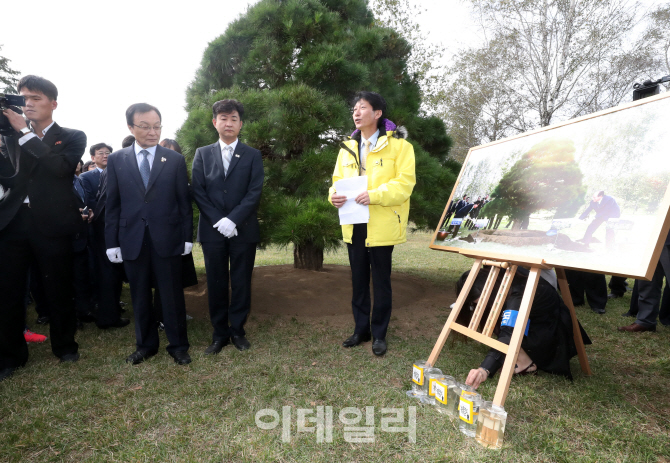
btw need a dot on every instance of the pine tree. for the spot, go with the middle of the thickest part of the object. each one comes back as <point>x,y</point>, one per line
<point>546,177</point>
<point>295,65</point>
<point>8,76</point>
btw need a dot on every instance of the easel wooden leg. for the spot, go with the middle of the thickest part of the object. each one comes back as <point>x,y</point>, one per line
<point>454,312</point>
<point>517,336</point>
<point>576,333</point>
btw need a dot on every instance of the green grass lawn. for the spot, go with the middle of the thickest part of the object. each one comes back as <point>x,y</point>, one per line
<point>101,409</point>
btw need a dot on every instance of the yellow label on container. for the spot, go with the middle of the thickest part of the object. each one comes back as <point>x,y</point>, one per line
<point>431,387</point>
<point>465,410</point>
<point>440,391</point>
<point>417,375</point>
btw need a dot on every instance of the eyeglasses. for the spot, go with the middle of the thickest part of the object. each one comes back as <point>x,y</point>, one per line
<point>147,128</point>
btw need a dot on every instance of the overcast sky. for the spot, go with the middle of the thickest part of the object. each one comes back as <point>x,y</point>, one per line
<point>104,56</point>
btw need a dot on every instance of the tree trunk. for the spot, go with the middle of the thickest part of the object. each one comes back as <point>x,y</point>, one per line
<point>308,257</point>
<point>521,223</point>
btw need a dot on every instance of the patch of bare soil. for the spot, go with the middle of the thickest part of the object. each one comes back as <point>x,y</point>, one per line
<point>281,290</point>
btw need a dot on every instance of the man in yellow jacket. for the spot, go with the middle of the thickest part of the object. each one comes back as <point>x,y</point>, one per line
<point>375,149</point>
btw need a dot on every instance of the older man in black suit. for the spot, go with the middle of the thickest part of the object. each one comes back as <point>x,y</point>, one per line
<point>91,180</point>
<point>227,185</point>
<point>38,217</point>
<point>149,226</point>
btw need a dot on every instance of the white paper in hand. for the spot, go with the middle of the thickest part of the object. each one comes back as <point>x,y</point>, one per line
<point>352,212</point>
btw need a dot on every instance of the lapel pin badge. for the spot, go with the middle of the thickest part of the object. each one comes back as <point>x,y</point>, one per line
<point>163,159</point>
<point>237,155</point>
<point>58,142</point>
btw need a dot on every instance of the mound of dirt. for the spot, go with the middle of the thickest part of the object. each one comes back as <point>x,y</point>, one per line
<point>284,290</point>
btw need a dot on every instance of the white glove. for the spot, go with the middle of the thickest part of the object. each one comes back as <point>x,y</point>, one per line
<point>114,255</point>
<point>226,227</point>
<point>187,248</point>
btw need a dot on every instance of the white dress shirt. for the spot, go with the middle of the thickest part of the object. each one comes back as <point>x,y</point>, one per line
<point>233,145</point>
<point>30,135</point>
<point>140,157</point>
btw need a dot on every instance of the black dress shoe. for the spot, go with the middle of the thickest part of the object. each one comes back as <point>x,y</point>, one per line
<point>6,373</point>
<point>635,328</point>
<point>120,323</point>
<point>379,347</point>
<point>181,358</point>
<point>614,296</point>
<point>628,314</point>
<point>216,347</point>
<point>69,358</point>
<point>42,320</point>
<point>241,343</point>
<point>86,317</point>
<point>139,356</point>
<point>355,339</point>
<point>599,311</point>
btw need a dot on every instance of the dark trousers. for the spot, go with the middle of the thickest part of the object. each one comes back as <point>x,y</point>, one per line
<point>37,290</point>
<point>634,298</point>
<point>664,312</point>
<point>166,273</point>
<point>649,299</point>
<point>591,229</point>
<point>109,278</point>
<point>92,267</point>
<point>228,318</point>
<point>618,285</point>
<point>21,242</point>
<point>82,282</point>
<point>365,261</point>
<point>593,284</point>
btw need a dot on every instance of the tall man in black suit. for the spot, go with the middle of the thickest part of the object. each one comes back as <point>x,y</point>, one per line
<point>38,218</point>
<point>227,185</point>
<point>149,226</point>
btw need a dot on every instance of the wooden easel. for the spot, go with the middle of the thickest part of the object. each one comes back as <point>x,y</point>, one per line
<point>512,351</point>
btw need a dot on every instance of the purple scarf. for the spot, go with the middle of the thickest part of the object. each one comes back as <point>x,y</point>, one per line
<point>388,125</point>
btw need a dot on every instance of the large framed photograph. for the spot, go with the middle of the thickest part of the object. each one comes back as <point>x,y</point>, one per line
<point>589,194</point>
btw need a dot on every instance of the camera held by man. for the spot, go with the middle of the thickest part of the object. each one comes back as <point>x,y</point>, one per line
<point>12,102</point>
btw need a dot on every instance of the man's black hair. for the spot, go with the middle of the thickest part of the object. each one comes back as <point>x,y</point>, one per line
<point>38,84</point>
<point>140,108</point>
<point>129,140</point>
<point>98,146</point>
<point>87,164</point>
<point>227,107</point>
<point>601,193</point>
